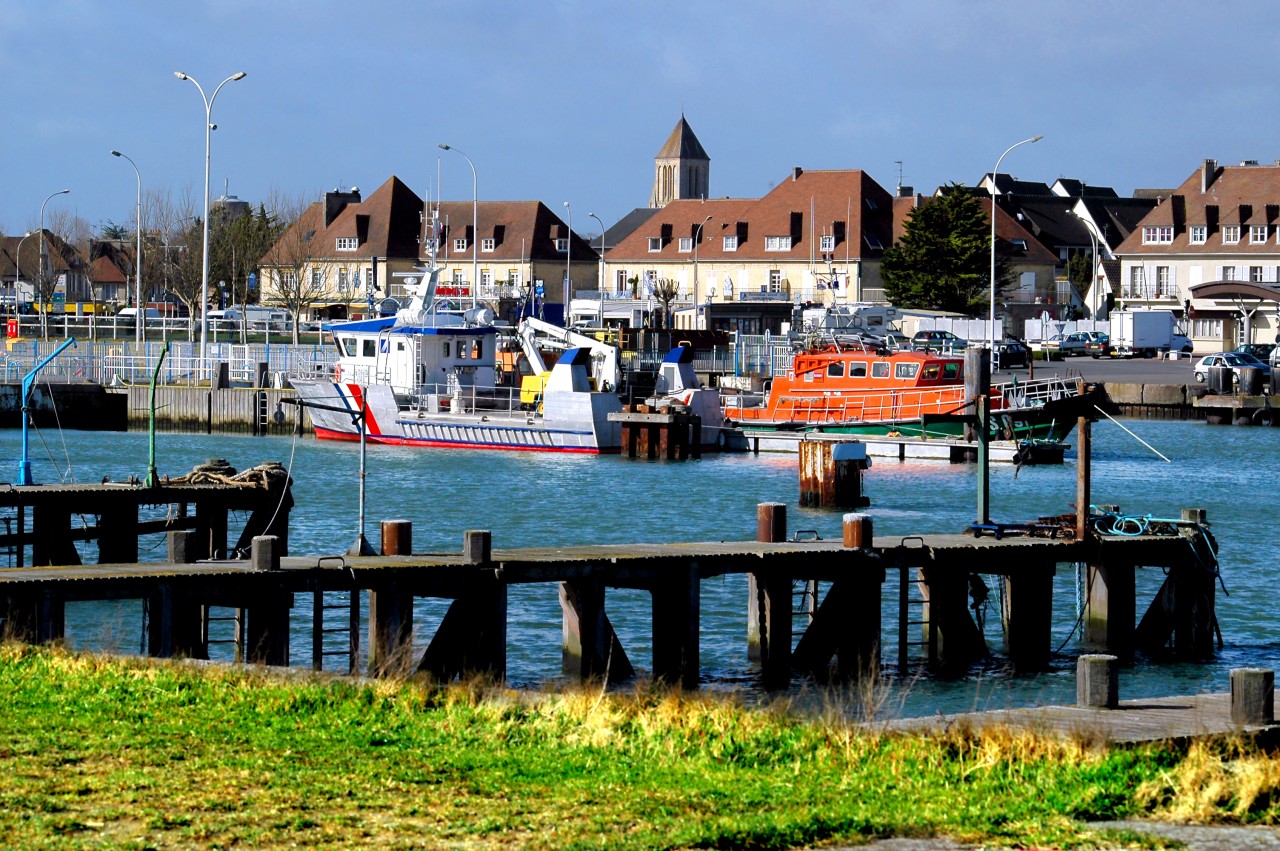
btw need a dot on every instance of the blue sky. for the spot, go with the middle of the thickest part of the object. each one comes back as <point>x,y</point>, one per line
<point>570,100</point>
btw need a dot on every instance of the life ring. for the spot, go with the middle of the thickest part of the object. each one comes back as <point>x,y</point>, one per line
<point>337,374</point>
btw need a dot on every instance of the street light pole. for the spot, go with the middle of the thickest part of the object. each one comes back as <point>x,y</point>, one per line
<point>17,271</point>
<point>697,236</point>
<point>44,260</point>
<point>475,219</point>
<point>568,257</point>
<point>139,312</point>
<point>204,272</point>
<point>601,300</point>
<point>994,173</point>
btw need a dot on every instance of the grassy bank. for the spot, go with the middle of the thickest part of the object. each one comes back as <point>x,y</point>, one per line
<point>98,752</point>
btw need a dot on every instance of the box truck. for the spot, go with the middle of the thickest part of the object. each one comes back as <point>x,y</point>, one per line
<point>1146,333</point>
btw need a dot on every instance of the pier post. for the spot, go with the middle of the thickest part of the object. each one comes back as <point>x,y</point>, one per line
<point>1084,472</point>
<point>390,629</point>
<point>397,537</point>
<point>1253,696</point>
<point>51,542</point>
<point>769,598</point>
<point>181,544</point>
<point>477,546</point>
<point>34,617</point>
<point>585,634</point>
<point>1097,681</point>
<point>211,528</point>
<point>264,552</point>
<point>831,472</point>
<point>1028,602</point>
<point>267,630</point>
<point>118,533</point>
<point>848,621</point>
<point>676,635</point>
<point>175,625</point>
<point>1111,604</point>
<point>952,636</point>
<point>472,637</point>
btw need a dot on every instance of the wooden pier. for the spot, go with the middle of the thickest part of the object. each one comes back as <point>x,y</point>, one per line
<point>668,433</point>
<point>839,634</point>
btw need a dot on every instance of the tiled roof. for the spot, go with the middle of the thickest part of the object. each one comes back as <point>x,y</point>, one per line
<point>1214,196</point>
<point>103,271</point>
<point>804,207</point>
<point>521,230</point>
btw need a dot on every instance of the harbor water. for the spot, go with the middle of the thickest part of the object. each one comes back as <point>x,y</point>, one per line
<point>531,499</point>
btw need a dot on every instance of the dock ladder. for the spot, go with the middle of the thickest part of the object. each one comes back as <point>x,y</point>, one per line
<point>912,615</point>
<point>351,629</point>
<point>237,621</point>
<point>261,413</point>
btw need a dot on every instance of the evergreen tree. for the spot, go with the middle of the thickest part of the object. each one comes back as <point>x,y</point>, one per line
<point>943,261</point>
<point>1080,273</point>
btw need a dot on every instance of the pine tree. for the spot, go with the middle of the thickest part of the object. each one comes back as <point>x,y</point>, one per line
<point>943,261</point>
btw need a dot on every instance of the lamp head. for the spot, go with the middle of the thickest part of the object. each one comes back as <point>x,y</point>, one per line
<point>239,75</point>
<point>566,205</point>
<point>116,154</point>
<point>1037,138</point>
<point>63,191</point>
<point>180,75</point>
<point>442,146</point>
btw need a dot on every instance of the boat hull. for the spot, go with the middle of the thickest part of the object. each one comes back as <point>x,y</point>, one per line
<point>574,422</point>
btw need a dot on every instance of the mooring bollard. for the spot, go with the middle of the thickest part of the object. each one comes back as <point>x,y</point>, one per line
<point>771,522</point>
<point>477,546</point>
<point>1253,696</point>
<point>182,546</point>
<point>264,553</point>
<point>397,537</point>
<point>1097,681</point>
<point>857,531</point>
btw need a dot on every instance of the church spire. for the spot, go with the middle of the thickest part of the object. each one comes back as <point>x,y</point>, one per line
<point>681,169</point>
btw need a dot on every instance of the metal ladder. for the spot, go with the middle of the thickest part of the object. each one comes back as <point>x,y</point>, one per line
<point>911,599</point>
<point>351,629</point>
<point>262,412</point>
<point>236,619</point>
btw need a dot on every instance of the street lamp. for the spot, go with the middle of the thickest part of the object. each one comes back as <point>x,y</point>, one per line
<point>204,272</point>
<point>697,235</point>
<point>568,256</point>
<point>994,174</point>
<point>137,271</point>
<point>475,218</point>
<point>597,218</point>
<point>17,271</point>
<point>44,260</point>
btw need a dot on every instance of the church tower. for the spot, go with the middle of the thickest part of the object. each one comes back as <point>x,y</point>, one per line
<point>682,168</point>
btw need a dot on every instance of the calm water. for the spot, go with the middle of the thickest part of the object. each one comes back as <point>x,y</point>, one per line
<point>532,499</point>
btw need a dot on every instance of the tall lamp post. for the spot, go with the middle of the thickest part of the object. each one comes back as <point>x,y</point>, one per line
<point>568,257</point>
<point>44,259</point>
<point>139,313</point>
<point>597,218</point>
<point>994,173</point>
<point>204,272</point>
<point>17,271</point>
<point>475,219</point>
<point>697,236</point>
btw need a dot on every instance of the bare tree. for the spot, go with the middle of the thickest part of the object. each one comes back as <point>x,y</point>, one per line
<point>665,291</point>
<point>295,278</point>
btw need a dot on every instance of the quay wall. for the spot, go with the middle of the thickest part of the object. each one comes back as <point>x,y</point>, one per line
<point>228,409</point>
<point>79,405</point>
<point>1154,401</point>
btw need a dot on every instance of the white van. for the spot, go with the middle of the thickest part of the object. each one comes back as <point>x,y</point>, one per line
<point>149,315</point>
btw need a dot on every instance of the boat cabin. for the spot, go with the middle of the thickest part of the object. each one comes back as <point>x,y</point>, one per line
<point>416,359</point>
<point>834,370</point>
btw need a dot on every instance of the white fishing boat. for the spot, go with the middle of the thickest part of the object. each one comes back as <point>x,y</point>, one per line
<point>427,377</point>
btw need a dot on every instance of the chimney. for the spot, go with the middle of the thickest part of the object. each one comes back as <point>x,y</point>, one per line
<point>796,172</point>
<point>336,201</point>
<point>905,191</point>
<point>1207,174</point>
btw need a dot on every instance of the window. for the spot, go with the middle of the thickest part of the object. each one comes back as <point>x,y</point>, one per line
<point>446,348</point>
<point>355,279</point>
<point>1020,244</point>
<point>460,244</point>
<point>1206,329</point>
<point>731,243</point>
<point>1257,234</point>
<point>347,243</point>
<point>1230,234</point>
<point>777,243</point>
<point>349,346</point>
<point>1255,274</point>
<point>290,279</point>
<point>858,369</point>
<point>827,243</point>
<point>342,279</point>
<point>1162,281</point>
<point>880,369</point>
<point>1199,233</point>
<point>369,348</point>
<point>1228,273</point>
<point>487,244</point>
<point>562,245</point>
<point>486,278</point>
<point>835,369</point>
<point>686,244</point>
<point>1162,235</point>
<point>514,277</point>
<point>775,280</point>
<point>317,278</point>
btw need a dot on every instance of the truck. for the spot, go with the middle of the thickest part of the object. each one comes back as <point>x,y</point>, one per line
<point>1145,333</point>
<point>253,317</point>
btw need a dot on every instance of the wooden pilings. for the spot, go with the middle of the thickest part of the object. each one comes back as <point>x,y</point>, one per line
<point>831,472</point>
<point>667,434</point>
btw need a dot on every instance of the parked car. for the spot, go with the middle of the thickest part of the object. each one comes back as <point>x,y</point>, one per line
<point>938,341</point>
<point>1098,345</point>
<point>1236,361</point>
<point>1261,351</point>
<point>1067,344</point>
<point>894,340</point>
<point>1011,353</point>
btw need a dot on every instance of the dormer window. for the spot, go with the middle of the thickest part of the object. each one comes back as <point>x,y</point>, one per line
<point>487,244</point>
<point>731,243</point>
<point>1257,234</point>
<point>1162,235</point>
<point>1230,234</point>
<point>347,243</point>
<point>686,244</point>
<point>460,244</point>
<point>1198,234</point>
<point>827,243</point>
<point>777,243</point>
<point>655,243</point>
<point>562,245</point>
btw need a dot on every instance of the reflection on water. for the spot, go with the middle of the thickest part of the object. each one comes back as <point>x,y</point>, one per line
<point>529,499</point>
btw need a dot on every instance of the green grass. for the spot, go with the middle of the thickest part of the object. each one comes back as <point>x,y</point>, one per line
<point>102,752</point>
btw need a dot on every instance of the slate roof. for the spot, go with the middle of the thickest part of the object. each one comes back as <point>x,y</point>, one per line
<point>683,143</point>
<point>521,230</point>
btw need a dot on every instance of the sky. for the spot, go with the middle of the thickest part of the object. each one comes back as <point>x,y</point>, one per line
<point>563,100</point>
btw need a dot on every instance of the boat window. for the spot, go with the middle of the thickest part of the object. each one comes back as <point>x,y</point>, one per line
<point>906,370</point>
<point>370,349</point>
<point>880,369</point>
<point>348,346</point>
<point>931,372</point>
<point>446,348</point>
<point>475,350</point>
<point>952,371</point>
<point>858,369</point>
<point>835,370</point>
<point>399,345</point>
